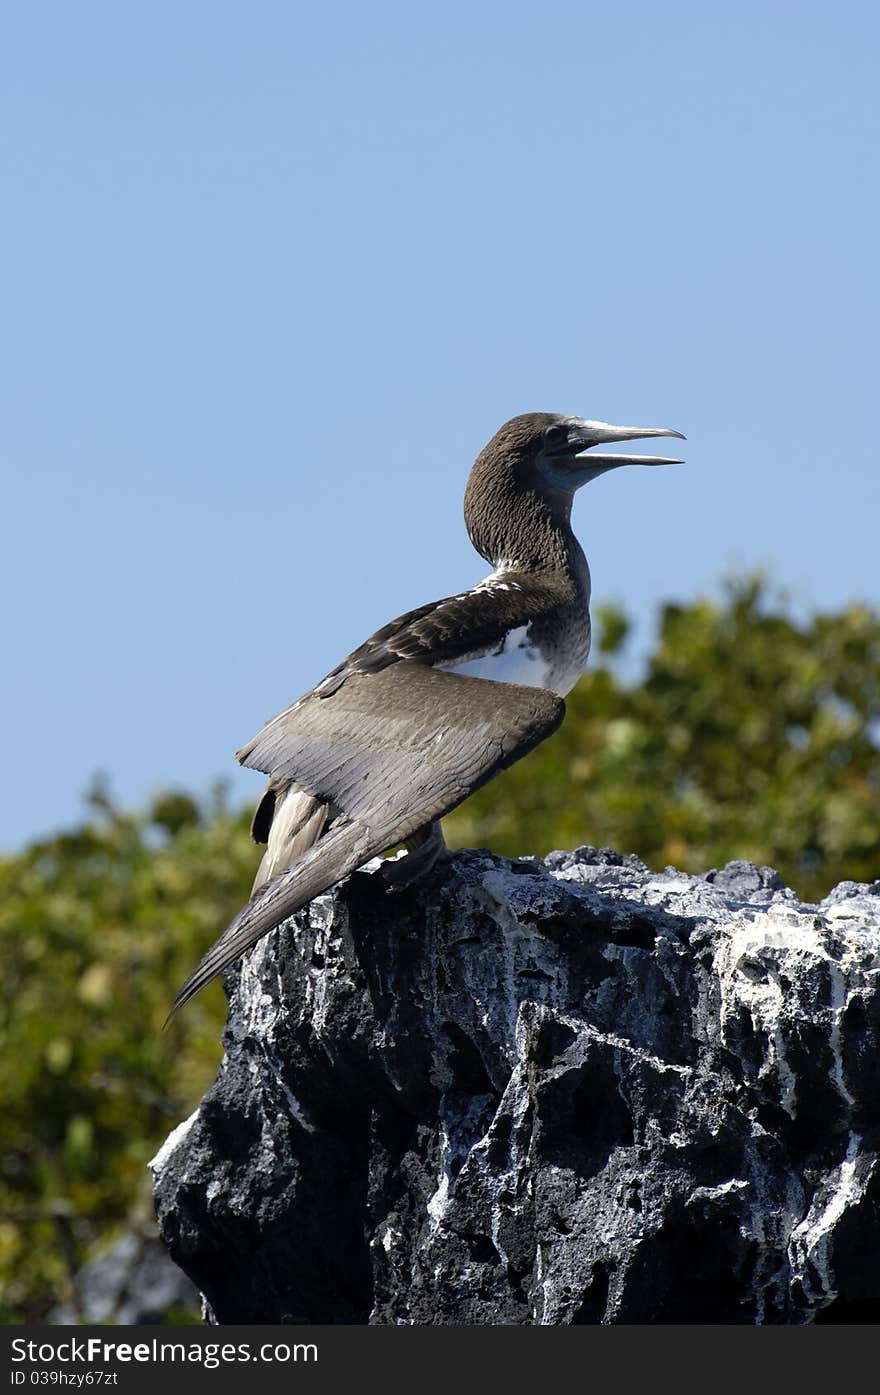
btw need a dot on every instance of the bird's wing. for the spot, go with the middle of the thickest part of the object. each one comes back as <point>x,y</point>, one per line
<point>452,627</point>
<point>388,752</point>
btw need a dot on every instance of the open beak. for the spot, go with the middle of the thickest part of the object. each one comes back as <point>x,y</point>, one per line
<point>583,435</point>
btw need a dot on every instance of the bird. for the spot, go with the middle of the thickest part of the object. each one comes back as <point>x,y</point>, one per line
<point>436,703</point>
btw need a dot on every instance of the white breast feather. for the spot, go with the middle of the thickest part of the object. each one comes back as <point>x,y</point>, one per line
<point>517,662</point>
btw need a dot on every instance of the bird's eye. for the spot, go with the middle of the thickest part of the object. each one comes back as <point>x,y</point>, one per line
<point>555,436</point>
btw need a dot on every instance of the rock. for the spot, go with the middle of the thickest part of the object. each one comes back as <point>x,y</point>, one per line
<point>571,1091</point>
<point>135,1283</point>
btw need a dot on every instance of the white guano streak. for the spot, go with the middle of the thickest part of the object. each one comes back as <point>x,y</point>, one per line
<point>810,1252</point>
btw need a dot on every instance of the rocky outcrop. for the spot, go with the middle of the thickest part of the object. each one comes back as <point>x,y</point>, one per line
<point>134,1282</point>
<point>544,1092</point>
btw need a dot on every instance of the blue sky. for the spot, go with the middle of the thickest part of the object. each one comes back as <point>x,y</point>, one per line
<point>271,274</point>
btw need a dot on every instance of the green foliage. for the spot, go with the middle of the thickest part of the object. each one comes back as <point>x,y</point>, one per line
<point>96,928</point>
<point>751,735</point>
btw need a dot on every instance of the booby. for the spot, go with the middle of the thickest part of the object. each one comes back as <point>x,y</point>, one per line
<point>440,700</point>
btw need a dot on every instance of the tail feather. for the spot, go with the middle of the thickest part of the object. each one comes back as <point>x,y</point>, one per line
<point>297,823</point>
<point>343,849</point>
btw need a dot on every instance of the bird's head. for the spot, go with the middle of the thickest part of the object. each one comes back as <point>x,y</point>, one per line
<point>557,451</point>
<point>526,476</point>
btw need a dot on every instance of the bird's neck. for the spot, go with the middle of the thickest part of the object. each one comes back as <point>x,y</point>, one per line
<point>519,527</point>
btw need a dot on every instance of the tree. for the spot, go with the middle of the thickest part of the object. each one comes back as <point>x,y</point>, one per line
<point>96,928</point>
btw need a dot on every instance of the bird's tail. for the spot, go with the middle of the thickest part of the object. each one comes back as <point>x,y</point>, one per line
<point>293,823</point>
<point>343,848</point>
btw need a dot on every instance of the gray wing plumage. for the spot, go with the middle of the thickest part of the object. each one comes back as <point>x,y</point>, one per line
<point>387,752</point>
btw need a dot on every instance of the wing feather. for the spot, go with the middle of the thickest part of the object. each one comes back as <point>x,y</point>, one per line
<point>454,626</point>
<point>388,752</point>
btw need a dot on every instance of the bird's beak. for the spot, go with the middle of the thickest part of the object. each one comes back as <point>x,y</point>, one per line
<point>583,435</point>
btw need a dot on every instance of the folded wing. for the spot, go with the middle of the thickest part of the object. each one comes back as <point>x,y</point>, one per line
<point>387,752</point>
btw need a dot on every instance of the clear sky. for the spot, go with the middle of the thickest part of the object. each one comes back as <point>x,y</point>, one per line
<point>272,273</point>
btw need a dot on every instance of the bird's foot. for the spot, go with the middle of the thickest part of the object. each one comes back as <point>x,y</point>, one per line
<point>423,850</point>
